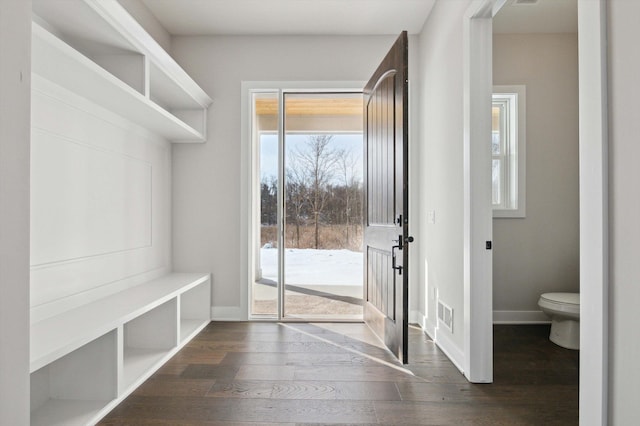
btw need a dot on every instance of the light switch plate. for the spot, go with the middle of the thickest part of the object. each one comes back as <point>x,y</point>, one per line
<point>431,217</point>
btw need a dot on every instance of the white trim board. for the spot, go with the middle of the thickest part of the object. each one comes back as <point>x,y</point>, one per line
<point>429,328</point>
<point>520,317</point>
<point>478,210</point>
<point>442,340</point>
<point>226,313</point>
<point>594,255</point>
<point>454,353</point>
<point>416,317</point>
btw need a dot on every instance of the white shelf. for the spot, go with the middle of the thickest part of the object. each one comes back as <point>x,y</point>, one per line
<point>60,412</point>
<point>113,13</point>
<point>96,49</point>
<point>59,63</point>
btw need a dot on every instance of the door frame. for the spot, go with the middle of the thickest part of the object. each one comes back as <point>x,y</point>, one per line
<point>478,210</point>
<point>594,205</point>
<point>593,163</point>
<point>250,198</point>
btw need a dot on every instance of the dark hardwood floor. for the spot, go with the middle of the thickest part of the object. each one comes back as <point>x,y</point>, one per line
<point>313,374</point>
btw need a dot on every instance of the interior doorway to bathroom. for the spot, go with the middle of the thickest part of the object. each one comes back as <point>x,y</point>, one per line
<point>535,77</point>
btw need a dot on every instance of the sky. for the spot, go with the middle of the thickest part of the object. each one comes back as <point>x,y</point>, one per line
<point>269,150</point>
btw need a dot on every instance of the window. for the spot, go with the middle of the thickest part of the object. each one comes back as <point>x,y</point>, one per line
<point>303,144</point>
<point>508,151</point>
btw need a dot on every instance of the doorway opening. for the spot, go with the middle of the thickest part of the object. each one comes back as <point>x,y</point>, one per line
<point>307,147</point>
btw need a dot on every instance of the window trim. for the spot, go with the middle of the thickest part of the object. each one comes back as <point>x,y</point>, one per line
<point>517,151</point>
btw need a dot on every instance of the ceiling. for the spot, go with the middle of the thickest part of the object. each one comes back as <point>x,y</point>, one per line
<point>290,17</point>
<point>537,16</point>
<point>344,17</point>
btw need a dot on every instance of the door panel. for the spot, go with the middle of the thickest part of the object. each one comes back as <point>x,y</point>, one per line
<point>386,201</point>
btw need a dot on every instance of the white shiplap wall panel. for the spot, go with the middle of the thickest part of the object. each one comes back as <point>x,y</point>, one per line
<point>100,219</point>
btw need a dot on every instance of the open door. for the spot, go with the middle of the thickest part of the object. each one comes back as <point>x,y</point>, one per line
<point>386,205</point>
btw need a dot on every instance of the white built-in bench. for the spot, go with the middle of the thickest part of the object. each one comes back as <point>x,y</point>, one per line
<point>86,360</point>
<point>87,357</point>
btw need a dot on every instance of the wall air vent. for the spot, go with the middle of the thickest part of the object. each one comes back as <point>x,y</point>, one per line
<point>445,316</point>
<point>524,2</point>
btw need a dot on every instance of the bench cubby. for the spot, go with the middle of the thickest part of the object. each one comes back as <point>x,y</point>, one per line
<point>76,387</point>
<point>192,311</point>
<point>146,341</point>
<point>86,360</point>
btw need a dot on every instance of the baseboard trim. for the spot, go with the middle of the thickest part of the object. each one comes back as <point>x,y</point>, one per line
<point>446,345</point>
<point>429,327</point>
<point>416,317</point>
<point>226,313</point>
<point>520,317</point>
<point>441,339</point>
<point>455,354</point>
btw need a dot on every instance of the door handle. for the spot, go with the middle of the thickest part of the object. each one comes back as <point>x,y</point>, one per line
<point>393,259</point>
<point>399,246</point>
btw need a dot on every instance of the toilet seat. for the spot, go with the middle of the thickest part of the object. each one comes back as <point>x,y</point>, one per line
<point>561,302</point>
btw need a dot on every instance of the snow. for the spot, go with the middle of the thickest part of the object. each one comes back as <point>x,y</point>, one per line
<point>314,267</point>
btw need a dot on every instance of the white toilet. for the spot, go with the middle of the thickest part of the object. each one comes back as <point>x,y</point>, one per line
<point>564,310</point>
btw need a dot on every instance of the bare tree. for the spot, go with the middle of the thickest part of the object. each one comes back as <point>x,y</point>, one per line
<point>317,163</point>
<point>348,169</point>
<point>296,193</point>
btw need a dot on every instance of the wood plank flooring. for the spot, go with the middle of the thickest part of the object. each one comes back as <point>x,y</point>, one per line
<point>322,374</point>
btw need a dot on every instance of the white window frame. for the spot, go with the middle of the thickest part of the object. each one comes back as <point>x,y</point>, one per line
<point>513,191</point>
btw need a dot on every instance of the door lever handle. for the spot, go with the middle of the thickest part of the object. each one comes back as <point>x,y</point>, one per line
<point>393,259</point>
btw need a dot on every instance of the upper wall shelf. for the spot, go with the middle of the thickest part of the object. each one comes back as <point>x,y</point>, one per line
<point>96,49</point>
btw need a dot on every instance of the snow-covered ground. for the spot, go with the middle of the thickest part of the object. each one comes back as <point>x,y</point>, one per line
<point>314,267</point>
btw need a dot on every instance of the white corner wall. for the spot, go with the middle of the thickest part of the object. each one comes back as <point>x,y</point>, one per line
<point>206,186</point>
<point>441,171</point>
<point>624,211</point>
<point>15,81</point>
<point>540,253</point>
<point>100,202</point>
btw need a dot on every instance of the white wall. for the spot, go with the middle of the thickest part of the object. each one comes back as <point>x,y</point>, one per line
<point>624,228</point>
<point>100,202</point>
<point>15,73</point>
<point>441,169</point>
<point>539,253</point>
<point>207,191</point>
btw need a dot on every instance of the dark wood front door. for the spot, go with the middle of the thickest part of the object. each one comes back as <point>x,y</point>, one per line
<point>386,200</point>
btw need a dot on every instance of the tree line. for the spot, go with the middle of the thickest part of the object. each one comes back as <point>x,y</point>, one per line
<point>322,187</point>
